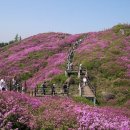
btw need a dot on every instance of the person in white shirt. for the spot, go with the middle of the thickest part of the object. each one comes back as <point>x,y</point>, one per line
<point>3,85</point>
<point>84,81</point>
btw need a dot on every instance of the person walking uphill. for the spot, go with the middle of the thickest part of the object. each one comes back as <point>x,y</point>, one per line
<point>65,89</point>
<point>53,89</point>
<point>84,81</point>
<point>44,88</point>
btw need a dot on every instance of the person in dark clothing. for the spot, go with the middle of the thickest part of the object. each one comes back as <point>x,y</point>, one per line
<point>44,88</point>
<point>80,68</point>
<point>53,89</point>
<point>65,89</point>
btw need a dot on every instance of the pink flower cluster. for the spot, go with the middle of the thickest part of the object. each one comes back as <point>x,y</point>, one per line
<point>14,110</point>
<point>53,48</point>
<point>102,118</point>
<point>124,59</point>
<point>50,70</point>
<point>15,59</point>
<point>91,42</point>
<point>58,113</point>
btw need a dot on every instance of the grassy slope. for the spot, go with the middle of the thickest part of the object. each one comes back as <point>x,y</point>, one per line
<point>108,66</point>
<point>105,54</point>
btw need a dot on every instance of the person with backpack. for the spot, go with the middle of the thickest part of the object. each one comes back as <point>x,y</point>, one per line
<point>53,89</point>
<point>65,89</point>
<point>14,83</point>
<point>44,88</point>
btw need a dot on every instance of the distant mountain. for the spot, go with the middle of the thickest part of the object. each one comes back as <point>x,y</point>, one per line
<point>105,54</point>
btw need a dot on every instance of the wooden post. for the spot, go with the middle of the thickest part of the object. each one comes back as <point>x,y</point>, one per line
<point>35,91</point>
<point>79,74</point>
<point>10,85</point>
<point>80,92</point>
<point>66,73</point>
<point>94,101</point>
<point>32,92</point>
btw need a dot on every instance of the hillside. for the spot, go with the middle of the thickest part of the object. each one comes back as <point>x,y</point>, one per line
<point>20,111</point>
<point>105,54</point>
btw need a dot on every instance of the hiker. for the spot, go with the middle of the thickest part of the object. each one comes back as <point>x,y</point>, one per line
<point>3,85</point>
<point>68,66</point>
<point>65,89</point>
<point>84,81</point>
<point>80,68</point>
<point>80,40</point>
<point>76,43</point>
<point>71,66</point>
<point>23,89</point>
<point>44,88</point>
<point>53,89</point>
<point>15,84</point>
<point>18,87</point>
<point>13,81</point>
<point>71,55</point>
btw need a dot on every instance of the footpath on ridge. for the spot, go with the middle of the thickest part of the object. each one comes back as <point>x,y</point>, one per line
<point>85,89</point>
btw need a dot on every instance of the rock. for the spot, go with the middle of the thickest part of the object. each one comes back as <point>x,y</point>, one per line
<point>122,31</point>
<point>108,96</point>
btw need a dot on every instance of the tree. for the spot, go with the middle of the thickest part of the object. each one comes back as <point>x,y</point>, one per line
<point>20,38</point>
<point>16,38</point>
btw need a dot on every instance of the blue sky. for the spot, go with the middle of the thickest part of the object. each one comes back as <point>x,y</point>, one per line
<point>30,17</point>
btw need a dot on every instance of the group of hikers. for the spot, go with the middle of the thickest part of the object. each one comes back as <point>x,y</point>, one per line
<point>84,79</point>
<point>69,60</point>
<point>65,89</point>
<point>71,55</point>
<point>14,85</point>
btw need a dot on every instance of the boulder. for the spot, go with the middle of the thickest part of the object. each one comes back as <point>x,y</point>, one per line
<point>108,96</point>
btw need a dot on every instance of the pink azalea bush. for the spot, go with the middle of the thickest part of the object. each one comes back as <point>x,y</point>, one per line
<point>99,118</point>
<point>91,42</point>
<point>21,111</point>
<point>15,110</point>
<point>41,55</point>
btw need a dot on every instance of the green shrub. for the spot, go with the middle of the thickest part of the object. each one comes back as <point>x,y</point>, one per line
<point>121,98</point>
<point>127,32</point>
<point>82,100</point>
<point>61,78</point>
<point>125,27</point>
<point>112,70</point>
<point>94,64</point>
<point>122,82</point>
<point>117,28</point>
<point>36,55</point>
<point>15,123</point>
<point>21,65</point>
<point>26,76</point>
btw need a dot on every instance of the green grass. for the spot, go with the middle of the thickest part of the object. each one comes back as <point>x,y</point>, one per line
<point>82,100</point>
<point>125,27</point>
<point>61,78</point>
<point>26,76</point>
